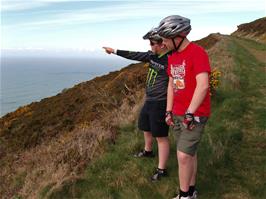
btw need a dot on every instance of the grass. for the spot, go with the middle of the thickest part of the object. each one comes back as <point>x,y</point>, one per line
<point>252,44</point>
<point>19,180</point>
<point>119,175</point>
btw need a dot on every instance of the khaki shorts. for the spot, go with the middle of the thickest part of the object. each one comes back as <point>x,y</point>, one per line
<point>187,140</point>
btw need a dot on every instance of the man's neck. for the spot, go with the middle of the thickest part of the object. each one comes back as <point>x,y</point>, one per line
<point>184,44</point>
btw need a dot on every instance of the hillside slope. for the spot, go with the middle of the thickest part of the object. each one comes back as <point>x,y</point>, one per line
<point>255,30</point>
<point>58,136</point>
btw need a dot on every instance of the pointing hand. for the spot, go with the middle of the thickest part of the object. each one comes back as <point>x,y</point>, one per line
<point>109,50</point>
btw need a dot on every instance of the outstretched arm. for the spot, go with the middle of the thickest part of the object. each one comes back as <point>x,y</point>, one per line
<point>138,56</point>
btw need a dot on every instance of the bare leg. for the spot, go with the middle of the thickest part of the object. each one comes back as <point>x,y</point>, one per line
<point>163,151</point>
<point>185,170</point>
<point>194,174</point>
<point>148,141</point>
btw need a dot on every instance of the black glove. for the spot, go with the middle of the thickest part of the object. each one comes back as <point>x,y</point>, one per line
<point>169,118</point>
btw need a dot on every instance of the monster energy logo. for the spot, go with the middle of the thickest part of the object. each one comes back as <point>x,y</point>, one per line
<point>151,77</point>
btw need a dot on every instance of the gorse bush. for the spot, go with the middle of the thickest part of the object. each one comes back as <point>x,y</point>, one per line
<point>214,80</point>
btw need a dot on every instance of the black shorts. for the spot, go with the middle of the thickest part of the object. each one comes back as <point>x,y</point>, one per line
<point>152,118</point>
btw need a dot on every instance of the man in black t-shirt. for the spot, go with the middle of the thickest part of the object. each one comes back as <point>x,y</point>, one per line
<point>152,115</point>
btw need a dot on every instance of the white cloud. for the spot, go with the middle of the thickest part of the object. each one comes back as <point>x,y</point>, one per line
<point>205,31</point>
<point>55,19</point>
<point>160,5</point>
<point>128,11</point>
<point>20,5</point>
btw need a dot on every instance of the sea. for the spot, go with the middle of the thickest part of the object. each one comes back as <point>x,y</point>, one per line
<point>30,79</point>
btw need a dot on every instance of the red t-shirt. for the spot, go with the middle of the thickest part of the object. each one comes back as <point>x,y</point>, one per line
<point>184,66</point>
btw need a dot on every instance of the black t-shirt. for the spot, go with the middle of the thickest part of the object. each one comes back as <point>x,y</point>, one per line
<point>157,78</point>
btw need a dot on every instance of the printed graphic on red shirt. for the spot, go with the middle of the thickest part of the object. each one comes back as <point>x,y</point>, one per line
<point>178,72</point>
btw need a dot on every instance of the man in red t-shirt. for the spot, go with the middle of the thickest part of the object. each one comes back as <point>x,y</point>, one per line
<point>188,98</point>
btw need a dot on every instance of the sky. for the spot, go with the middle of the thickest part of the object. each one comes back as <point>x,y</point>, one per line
<point>69,27</point>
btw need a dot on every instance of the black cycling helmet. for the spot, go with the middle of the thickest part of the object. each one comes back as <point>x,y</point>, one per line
<point>153,35</point>
<point>173,26</point>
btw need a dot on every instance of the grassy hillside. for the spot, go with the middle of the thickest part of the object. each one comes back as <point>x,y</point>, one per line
<point>255,30</point>
<point>49,141</point>
<point>232,153</point>
<point>32,124</point>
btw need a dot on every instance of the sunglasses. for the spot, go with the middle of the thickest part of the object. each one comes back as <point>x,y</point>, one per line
<point>152,43</point>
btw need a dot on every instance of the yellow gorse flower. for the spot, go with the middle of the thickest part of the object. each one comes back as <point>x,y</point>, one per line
<point>214,80</point>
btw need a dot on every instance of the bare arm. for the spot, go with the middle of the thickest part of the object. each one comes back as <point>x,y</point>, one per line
<point>170,95</point>
<point>200,91</point>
